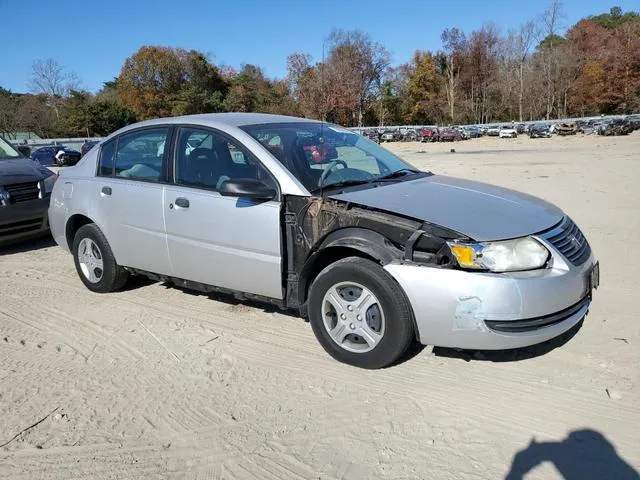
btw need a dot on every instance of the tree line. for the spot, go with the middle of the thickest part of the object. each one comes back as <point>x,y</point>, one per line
<point>537,71</point>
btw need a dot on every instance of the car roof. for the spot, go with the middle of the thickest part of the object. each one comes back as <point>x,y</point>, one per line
<point>235,119</point>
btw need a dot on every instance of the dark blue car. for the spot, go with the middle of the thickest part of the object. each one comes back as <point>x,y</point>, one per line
<point>51,155</point>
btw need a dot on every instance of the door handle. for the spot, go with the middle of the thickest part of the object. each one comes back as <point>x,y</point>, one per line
<point>106,191</point>
<point>182,202</point>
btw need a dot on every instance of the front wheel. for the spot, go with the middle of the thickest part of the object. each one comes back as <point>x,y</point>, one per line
<point>95,262</point>
<point>359,314</point>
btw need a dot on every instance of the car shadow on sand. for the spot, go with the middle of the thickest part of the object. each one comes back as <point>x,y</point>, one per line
<point>40,243</point>
<point>512,355</point>
<point>141,281</point>
<point>583,455</point>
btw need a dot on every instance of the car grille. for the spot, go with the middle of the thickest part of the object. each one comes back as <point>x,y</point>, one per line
<point>569,241</point>
<point>532,324</point>
<point>22,192</point>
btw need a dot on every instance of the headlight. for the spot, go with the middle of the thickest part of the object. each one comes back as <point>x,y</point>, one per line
<point>506,256</point>
<point>47,183</point>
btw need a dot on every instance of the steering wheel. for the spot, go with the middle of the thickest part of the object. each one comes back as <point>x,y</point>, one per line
<point>332,165</point>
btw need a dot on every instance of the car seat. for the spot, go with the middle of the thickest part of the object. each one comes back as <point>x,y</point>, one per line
<point>199,167</point>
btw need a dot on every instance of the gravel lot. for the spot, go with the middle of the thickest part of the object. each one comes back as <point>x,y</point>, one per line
<point>156,382</point>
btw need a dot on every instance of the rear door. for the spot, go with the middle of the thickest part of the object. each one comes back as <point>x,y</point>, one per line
<point>129,196</point>
<point>228,242</point>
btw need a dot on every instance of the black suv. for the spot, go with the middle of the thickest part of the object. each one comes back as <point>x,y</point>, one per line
<point>25,189</point>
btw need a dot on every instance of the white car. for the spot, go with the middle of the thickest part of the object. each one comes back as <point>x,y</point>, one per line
<point>508,132</point>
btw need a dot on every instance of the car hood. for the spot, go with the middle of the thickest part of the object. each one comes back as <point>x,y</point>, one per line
<point>478,210</point>
<point>21,170</point>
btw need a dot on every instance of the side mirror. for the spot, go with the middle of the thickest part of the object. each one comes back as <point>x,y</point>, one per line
<point>246,188</point>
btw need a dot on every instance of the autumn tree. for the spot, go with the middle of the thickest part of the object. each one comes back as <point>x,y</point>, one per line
<point>480,76</point>
<point>356,64</point>
<point>307,86</point>
<point>162,81</point>
<point>519,43</point>
<point>149,81</point>
<point>105,117</point>
<point>203,88</point>
<point>250,91</point>
<point>454,44</point>
<point>423,86</point>
<point>614,18</point>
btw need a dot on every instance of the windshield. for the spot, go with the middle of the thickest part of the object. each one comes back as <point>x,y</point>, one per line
<point>324,155</point>
<point>7,151</point>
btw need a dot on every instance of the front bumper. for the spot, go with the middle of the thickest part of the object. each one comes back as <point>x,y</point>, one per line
<point>489,311</point>
<point>24,220</point>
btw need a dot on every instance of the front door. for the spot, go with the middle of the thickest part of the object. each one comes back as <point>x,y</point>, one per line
<point>227,242</point>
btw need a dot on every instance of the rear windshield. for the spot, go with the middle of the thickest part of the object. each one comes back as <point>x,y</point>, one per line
<point>7,151</point>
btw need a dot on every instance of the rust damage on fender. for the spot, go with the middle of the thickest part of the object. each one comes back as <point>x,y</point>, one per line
<point>314,224</point>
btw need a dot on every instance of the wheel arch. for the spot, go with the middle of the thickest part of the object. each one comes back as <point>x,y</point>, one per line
<point>343,243</point>
<point>74,223</point>
<point>339,244</point>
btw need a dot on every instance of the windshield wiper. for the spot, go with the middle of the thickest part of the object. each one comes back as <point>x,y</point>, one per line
<point>343,183</point>
<point>398,173</point>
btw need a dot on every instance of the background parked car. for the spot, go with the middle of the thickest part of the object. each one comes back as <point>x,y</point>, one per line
<point>86,146</point>
<point>390,136</point>
<point>567,128</point>
<point>539,130</point>
<point>464,134</point>
<point>473,131</point>
<point>429,134</point>
<point>617,126</point>
<point>634,121</point>
<point>48,156</point>
<point>409,135</point>
<point>493,131</point>
<point>25,150</point>
<point>591,127</point>
<point>372,135</point>
<point>449,135</point>
<point>507,131</point>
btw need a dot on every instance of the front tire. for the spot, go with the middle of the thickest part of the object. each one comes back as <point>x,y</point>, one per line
<point>95,263</point>
<point>359,314</point>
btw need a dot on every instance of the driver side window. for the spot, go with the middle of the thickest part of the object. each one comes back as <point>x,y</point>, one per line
<point>206,159</point>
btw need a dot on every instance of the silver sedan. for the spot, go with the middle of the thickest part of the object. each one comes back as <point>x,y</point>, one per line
<point>312,217</point>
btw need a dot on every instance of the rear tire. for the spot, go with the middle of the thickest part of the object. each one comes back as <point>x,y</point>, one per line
<point>95,263</point>
<point>357,302</point>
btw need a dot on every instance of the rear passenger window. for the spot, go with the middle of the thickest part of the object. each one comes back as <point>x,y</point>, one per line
<point>140,154</point>
<point>106,159</point>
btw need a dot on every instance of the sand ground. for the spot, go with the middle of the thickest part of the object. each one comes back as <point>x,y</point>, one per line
<point>155,382</point>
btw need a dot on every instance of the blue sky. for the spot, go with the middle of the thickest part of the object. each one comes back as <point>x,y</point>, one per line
<point>93,38</point>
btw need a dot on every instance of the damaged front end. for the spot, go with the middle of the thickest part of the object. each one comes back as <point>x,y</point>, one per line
<point>321,230</point>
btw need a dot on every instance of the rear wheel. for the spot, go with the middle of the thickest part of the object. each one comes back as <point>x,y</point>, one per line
<point>359,314</point>
<point>95,262</point>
